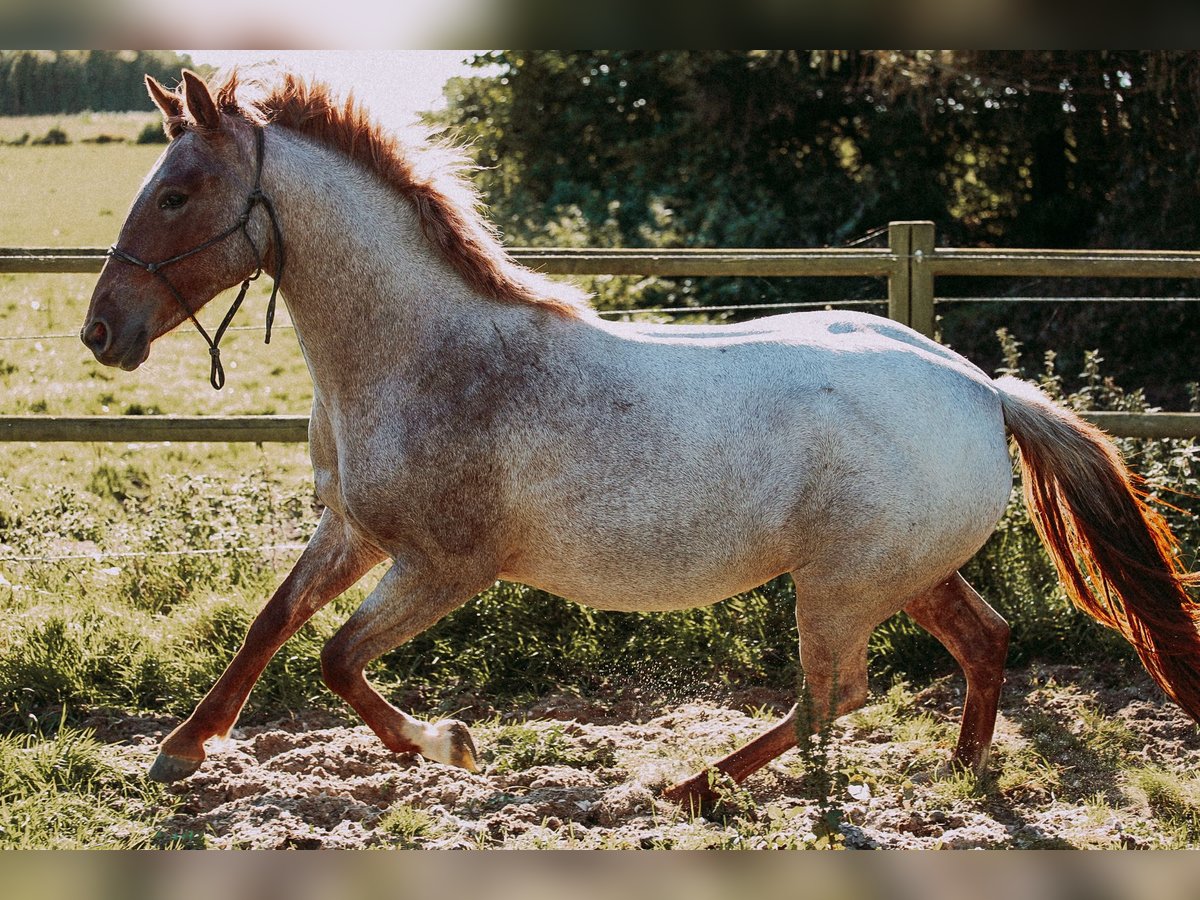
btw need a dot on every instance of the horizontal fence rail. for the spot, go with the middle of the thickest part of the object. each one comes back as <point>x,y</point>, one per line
<point>133,429</point>
<point>294,429</point>
<point>1066,263</point>
<point>910,265</point>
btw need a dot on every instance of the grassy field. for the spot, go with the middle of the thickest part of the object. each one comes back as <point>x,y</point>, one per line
<point>102,611</point>
<point>80,127</point>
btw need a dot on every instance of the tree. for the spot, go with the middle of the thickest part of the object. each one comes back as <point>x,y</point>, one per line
<point>36,82</point>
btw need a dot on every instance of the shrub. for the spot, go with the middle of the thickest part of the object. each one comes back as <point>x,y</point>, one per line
<point>55,137</point>
<point>152,133</point>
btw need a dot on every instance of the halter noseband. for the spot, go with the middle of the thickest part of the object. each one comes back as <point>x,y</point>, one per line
<point>216,376</point>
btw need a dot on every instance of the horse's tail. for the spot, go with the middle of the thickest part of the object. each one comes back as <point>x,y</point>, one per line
<point>1117,558</point>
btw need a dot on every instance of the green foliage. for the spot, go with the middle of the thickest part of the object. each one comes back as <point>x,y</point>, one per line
<point>1172,798</point>
<point>99,129</point>
<point>409,825</point>
<point>823,780</point>
<point>515,640</point>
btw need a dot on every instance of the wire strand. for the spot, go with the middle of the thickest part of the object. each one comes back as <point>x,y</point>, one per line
<point>677,310</point>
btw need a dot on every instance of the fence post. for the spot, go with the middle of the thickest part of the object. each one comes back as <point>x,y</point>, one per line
<point>910,286</point>
<point>920,285</point>
<point>900,281</point>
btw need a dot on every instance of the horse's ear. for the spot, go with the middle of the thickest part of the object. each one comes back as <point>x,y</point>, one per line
<point>200,103</point>
<point>165,100</point>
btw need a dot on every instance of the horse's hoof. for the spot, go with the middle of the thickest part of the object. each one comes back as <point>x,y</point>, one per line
<point>462,747</point>
<point>168,768</point>
<point>450,742</point>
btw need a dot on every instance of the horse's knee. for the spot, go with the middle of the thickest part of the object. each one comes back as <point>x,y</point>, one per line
<point>853,695</point>
<point>986,649</point>
<point>339,673</point>
<point>834,694</point>
<point>997,630</point>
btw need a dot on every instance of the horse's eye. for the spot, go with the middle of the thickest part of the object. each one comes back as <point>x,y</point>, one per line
<point>172,200</point>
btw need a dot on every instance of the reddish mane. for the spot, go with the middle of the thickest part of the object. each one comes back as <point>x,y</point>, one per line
<point>428,177</point>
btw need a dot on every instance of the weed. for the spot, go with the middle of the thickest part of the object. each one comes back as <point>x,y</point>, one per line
<point>121,484</point>
<point>924,729</point>
<point>411,826</point>
<point>1018,769</point>
<point>952,783</point>
<point>137,409</point>
<point>152,133</point>
<point>882,715</point>
<point>55,137</point>
<point>815,746</point>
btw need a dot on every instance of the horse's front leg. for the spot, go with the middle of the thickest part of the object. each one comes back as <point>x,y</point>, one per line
<point>406,601</point>
<point>333,560</point>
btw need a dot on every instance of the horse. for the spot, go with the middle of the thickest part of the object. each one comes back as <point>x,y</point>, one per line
<point>474,421</point>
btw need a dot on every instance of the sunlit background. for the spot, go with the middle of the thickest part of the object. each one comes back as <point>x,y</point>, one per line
<point>395,85</point>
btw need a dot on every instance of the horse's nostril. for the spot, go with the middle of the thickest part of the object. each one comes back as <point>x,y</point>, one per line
<point>96,336</point>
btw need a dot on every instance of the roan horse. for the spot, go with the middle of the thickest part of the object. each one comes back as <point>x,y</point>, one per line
<point>473,421</point>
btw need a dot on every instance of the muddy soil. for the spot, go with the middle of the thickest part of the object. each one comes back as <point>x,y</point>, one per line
<point>572,772</point>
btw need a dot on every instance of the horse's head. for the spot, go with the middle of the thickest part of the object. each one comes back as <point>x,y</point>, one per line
<point>189,234</point>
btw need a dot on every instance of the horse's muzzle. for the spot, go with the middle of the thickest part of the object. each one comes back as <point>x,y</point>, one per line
<point>99,337</point>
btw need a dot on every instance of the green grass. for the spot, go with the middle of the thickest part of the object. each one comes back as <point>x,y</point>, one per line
<point>1172,799</point>
<point>410,827</point>
<point>65,793</point>
<point>70,196</point>
<point>514,748</point>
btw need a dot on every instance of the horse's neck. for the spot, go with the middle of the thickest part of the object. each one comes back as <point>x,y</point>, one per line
<point>365,290</point>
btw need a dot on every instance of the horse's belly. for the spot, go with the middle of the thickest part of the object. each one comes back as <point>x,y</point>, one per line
<point>653,568</point>
<point>638,591</point>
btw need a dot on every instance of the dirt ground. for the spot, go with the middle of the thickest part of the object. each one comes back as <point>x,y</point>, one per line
<point>571,772</point>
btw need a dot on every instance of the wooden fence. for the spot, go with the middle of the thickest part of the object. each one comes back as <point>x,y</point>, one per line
<point>911,264</point>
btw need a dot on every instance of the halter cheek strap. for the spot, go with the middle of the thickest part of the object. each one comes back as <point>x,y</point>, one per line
<point>256,197</point>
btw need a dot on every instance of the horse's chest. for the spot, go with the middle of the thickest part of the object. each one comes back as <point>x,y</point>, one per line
<point>435,502</point>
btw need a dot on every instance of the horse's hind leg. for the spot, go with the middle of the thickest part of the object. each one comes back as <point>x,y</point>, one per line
<point>332,561</point>
<point>833,652</point>
<point>403,604</point>
<point>977,637</point>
